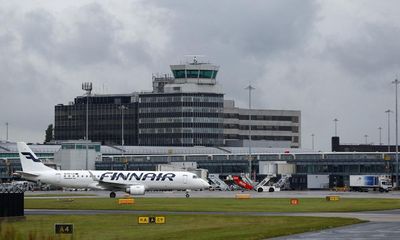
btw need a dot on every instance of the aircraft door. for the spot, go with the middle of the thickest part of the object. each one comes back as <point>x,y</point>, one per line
<point>185,178</point>
<point>58,177</point>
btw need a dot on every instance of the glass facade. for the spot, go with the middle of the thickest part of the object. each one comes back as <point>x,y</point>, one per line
<point>105,120</point>
<point>181,119</point>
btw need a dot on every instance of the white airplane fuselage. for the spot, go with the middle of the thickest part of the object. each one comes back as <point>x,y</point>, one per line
<point>151,180</point>
<point>132,182</point>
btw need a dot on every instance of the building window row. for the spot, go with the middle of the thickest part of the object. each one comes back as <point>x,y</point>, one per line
<point>181,130</point>
<point>294,129</point>
<point>180,109</point>
<point>194,73</point>
<point>256,117</point>
<point>170,99</point>
<point>181,120</point>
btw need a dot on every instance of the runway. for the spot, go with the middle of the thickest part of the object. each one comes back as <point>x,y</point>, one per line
<point>226,194</point>
<point>375,216</point>
<point>371,230</point>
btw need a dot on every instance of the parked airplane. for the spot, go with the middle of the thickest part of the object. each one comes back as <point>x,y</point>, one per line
<point>132,182</point>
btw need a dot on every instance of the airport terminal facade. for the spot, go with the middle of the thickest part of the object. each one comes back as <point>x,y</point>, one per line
<point>185,119</point>
<point>186,108</point>
<point>224,161</point>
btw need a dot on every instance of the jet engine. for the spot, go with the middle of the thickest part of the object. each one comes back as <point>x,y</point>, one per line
<point>135,190</point>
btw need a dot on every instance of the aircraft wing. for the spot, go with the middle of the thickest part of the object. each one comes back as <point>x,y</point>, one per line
<point>109,185</point>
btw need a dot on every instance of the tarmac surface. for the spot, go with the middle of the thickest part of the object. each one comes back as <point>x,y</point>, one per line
<point>370,230</point>
<point>230,194</point>
<point>381,225</point>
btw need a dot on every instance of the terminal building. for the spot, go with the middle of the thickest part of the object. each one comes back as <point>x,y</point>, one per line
<point>269,128</point>
<point>338,147</point>
<point>224,161</point>
<point>186,108</point>
<point>105,113</point>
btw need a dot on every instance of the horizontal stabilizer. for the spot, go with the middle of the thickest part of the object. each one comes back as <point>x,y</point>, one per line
<point>22,174</point>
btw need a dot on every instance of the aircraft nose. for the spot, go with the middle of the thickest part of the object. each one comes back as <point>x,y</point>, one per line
<point>205,183</point>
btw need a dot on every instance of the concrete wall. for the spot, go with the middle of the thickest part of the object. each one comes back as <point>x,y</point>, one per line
<point>75,159</point>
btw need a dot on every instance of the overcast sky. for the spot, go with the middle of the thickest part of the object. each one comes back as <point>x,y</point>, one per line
<point>328,59</point>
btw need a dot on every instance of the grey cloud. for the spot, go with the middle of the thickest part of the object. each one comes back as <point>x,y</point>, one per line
<point>275,45</point>
<point>257,28</point>
<point>240,36</point>
<point>90,39</point>
<point>37,32</point>
<point>373,55</point>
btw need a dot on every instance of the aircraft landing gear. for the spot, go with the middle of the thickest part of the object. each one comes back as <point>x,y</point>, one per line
<point>112,194</point>
<point>187,194</point>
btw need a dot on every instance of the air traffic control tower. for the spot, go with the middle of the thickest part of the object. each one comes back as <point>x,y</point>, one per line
<point>195,72</point>
<point>183,110</point>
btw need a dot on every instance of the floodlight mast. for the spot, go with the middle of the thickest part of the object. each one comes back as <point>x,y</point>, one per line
<point>87,86</point>
<point>6,131</point>
<point>388,119</point>
<point>396,83</point>
<point>250,88</point>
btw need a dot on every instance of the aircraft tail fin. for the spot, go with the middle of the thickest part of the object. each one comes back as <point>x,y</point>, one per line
<point>29,161</point>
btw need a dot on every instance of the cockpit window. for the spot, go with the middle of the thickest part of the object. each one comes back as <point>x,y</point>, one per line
<point>194,176</point>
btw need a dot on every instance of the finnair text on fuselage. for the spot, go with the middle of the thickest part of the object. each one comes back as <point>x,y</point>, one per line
<point>115,176</point>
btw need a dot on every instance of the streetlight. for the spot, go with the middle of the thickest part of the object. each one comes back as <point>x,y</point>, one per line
<point>250,88</point>
<point>396,82</point>
<point>312,141</point>
<point>335,120</point>
<point>388,117</point>
<point>87,86</point>
<point>123,108</point>
<point>366,138</point>
<point>6,131</point>
<point>380,135</point>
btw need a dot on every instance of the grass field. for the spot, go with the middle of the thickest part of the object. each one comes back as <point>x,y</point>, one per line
<point>61,195</point>
<point>219,204</point>
<point>195,227</point>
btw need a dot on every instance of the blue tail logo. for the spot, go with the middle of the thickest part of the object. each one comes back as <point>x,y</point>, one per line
<point>29,155</point>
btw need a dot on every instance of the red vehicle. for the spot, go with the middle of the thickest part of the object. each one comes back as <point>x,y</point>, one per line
<point>239,181</point>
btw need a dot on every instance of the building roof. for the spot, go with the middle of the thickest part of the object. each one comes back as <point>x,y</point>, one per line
<point>11,147</point>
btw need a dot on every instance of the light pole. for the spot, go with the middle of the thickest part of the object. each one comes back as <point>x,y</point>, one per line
<point>335,120</point>
<point>366,138</point>
<point>250,88</point>
<point>312,141</point>
<point>87,86</point>
<point>6,131</point>
<point>396,83</point>
<point>388,118</point>
<point>380,135</point>
<point>123,108</point>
